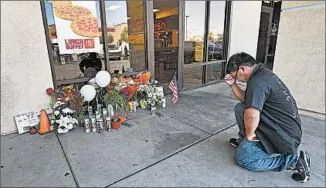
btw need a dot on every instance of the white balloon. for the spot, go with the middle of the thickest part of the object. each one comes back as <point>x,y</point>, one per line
<point>103,78</point>
<point>88,92</point>
<point>92,81</point>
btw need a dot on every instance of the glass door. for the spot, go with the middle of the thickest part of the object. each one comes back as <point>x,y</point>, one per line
<point>125,35</point>
<point>194,43</point>
<point>166,46</point>
<point>264,34</point>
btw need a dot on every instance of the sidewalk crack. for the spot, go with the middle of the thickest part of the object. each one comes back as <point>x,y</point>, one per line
<point>67,160</point>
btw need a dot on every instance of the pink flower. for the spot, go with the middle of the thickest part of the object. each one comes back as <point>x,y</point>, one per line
<point>50,91</point>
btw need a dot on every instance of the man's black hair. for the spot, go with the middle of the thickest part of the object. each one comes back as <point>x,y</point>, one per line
<point>239,59</point>
<point>93,55</point>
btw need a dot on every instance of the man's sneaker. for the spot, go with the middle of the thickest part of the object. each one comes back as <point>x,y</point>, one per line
<point>234,142</point>
<point>302,168</point>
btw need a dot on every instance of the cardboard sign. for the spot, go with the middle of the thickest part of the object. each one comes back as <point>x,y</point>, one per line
<point>29,119</point>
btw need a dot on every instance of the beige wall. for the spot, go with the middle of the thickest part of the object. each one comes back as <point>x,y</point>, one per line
<point>25,67</point>
<point>117,32</point>
<point>300,52</point>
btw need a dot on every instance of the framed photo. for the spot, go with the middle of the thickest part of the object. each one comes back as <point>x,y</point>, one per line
<point>160,91</point>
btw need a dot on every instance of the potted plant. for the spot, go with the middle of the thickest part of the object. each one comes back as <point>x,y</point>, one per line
<point>119,104</point>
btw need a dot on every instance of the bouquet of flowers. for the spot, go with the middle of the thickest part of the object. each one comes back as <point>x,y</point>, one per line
<point>68,108</point>
<point>63,117</point>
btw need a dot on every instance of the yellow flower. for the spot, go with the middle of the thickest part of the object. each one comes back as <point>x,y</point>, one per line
<point>69,87</point>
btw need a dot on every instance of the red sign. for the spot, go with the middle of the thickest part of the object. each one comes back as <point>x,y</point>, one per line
<point>79,44</point>
<point>111,29</point>
<point>159,26</point>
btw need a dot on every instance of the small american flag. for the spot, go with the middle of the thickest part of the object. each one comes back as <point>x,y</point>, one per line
<point>173,86</point>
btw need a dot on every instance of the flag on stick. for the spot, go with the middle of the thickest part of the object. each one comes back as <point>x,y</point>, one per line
<point>173,86</point>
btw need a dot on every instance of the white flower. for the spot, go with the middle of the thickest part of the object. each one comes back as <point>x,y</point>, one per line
<point>70,126</point>
<point>131,82</point>
<point>75,120</point>
<point>67,110</point>
<point>60,131</point>
<point>56,112</point>
<point>155,81</point>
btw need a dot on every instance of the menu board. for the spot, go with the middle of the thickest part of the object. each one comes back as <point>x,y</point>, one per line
<point>77,26</point>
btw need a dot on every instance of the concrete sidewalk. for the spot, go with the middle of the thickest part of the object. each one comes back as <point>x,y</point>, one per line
<point>188,146</point>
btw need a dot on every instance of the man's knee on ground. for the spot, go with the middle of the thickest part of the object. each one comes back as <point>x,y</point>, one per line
<point>243,159</point>
<point>244,162</point>
<point>239,108</point>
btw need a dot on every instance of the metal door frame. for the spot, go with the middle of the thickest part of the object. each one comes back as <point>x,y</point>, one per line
<point>149,37</point>
<point>270,11</point>
<point>150,46</point>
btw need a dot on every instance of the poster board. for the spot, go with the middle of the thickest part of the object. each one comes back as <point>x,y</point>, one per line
<point>26,120</point>
<point>77,27</point>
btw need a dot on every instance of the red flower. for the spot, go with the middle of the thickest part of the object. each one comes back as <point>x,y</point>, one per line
<point>124,91</point>
<point>78,107</point>
<point>50,91</point>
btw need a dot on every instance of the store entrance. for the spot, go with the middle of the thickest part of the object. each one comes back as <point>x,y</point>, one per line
<point>268,29</point>
<point>166,25</point>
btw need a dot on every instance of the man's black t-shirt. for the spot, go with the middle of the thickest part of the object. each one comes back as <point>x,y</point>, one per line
<point>279,130</point>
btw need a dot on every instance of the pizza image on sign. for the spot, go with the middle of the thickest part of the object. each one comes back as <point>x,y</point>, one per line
<point>86,26</point>
<point>56,4</point>
<point>68,12</point>
<point>77,26</point>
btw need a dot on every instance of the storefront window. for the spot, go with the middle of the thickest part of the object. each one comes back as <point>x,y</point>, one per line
<point>194,42</point>
<point>125,26</point>
<point>166,26</point>
<point>75,31</point>
<point>215,40</point>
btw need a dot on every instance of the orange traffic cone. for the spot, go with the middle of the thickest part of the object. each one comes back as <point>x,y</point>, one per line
<point>44,123</point>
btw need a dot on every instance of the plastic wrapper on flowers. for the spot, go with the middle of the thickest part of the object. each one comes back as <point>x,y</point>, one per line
<point>139,90</point>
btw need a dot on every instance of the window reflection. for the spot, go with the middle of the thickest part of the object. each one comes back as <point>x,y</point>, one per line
<point>215,40</point>
<point>73,39</point>
<point>194,42</point>
<point>166,26</point>
<point>125,35</point>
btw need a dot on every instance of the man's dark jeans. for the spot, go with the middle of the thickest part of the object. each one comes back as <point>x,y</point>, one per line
<point>250,156</point>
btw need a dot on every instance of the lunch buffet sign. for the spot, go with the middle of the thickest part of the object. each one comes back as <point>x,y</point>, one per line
<point>76,26</point>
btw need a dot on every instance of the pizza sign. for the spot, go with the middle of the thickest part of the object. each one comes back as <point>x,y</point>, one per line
<point>77,26</point>
<point>79,43</point>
